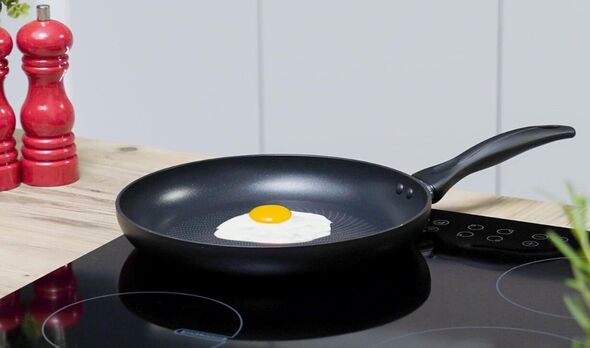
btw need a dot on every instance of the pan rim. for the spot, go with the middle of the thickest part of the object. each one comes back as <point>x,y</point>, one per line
<point>425,209</point>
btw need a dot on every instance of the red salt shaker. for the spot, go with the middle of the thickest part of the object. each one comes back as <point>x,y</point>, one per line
<point>9,165</point>
<point>47,115</point>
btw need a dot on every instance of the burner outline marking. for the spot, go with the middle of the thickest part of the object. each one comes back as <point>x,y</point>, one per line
<point>499,280</point>
<point>142,293</point>
<point>397,338</point>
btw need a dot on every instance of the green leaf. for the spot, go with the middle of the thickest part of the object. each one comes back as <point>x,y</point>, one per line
<point>17,10</point>
<point>576,308</point>
<point>24,9</point>
<point>572,283</point>
<point>13,12</point>
<point>565,249</point>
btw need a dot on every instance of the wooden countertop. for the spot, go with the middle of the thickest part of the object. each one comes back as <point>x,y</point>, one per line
<point>44,228</point>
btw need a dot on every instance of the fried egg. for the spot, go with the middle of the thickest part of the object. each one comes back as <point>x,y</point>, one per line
<point>274,224</point>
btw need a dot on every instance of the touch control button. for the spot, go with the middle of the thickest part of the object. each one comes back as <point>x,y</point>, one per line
<point>539,236</point>
<point>475,227</point>
<point>465,234</point>
<point>441,222</point>
<point>505,231</point>
<point>530,243</point>
<point>495,238</point>
<point>565,239</point>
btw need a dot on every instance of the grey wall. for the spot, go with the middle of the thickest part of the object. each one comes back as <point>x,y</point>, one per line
<point>405,83</point>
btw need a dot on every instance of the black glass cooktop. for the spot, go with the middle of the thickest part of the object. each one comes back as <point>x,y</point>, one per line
<point>471,282</point>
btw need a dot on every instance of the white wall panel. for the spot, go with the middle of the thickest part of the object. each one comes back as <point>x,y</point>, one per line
<point>403,83</point>
<point>175,74</point>
<point>547,80</point>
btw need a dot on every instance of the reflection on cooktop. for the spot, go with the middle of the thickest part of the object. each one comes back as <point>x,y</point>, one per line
<point>281,309</point>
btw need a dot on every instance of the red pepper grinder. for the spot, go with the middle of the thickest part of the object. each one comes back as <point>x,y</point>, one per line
<point>9,165</point>
<point>47,115</point>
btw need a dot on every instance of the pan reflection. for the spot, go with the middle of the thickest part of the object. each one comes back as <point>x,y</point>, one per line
<point>24,315</point>
<point>292,308</point>
<point>52,292</point>
<point>12,314</point>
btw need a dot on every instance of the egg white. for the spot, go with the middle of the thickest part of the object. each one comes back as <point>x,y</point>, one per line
<point>300,228</point>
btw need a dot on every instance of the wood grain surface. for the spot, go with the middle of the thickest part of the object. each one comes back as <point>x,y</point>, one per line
<point>42,228</point>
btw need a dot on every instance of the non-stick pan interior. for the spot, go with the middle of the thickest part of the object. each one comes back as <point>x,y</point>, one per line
<point>188,202</point>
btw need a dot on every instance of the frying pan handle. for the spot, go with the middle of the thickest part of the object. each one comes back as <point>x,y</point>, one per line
<point>441,177</point>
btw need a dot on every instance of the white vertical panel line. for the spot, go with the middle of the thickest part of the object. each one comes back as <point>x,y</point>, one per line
<point>499,85</point>
<point>68,82</point>
<point>260,61</point>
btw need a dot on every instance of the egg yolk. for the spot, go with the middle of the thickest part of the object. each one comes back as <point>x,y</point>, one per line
<point>270,214</point>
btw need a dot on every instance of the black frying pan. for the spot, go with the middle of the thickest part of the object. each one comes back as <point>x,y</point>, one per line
<point>174,212</point>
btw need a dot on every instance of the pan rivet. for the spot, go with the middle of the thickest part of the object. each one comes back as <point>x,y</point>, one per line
<point>399,189</point>
<point>409,193</point>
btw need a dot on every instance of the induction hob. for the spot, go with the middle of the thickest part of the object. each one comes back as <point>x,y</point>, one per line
<point>471,282</point>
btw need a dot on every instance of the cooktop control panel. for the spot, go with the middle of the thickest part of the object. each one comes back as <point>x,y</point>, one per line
<point>480,236</point>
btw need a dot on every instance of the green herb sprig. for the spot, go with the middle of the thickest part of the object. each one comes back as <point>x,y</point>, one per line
<point>15,9</point>
<point>579,304</point>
